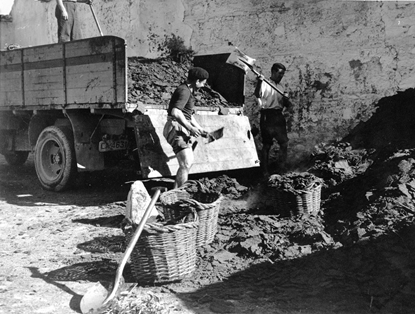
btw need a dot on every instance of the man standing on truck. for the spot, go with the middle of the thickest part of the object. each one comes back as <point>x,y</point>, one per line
<point>272,120</point>
<point>67,16</point>
<point>181,127</point>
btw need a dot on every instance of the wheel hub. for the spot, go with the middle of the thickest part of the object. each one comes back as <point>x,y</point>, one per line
<point>57,158</point>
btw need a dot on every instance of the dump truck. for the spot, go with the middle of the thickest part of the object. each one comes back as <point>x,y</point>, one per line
<point>67,104</point>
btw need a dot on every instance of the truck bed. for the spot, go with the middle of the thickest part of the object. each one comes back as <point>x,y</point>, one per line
<point>88,73</point>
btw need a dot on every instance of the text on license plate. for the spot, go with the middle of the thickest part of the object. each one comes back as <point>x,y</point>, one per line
<point>112,145</point>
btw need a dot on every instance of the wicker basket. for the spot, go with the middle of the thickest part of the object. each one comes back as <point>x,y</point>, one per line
<point>206,206</point>
<point>164,253</point>
<point>294,203</point>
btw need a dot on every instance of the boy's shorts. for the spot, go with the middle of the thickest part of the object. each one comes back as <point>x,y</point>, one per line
<point>177,139</point>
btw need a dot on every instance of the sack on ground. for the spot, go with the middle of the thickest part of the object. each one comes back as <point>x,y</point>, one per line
<point>137,202</point>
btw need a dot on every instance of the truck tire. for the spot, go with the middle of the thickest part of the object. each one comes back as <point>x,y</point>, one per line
<point>16,158</point>
<point>55,160</point>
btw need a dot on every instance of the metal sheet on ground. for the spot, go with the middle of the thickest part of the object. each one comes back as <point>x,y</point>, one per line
<point>235,150</point>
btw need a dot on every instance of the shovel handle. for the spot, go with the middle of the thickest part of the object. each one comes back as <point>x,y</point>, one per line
<point>96,20</point>
<point>265,80</point>
<point>133,242</point>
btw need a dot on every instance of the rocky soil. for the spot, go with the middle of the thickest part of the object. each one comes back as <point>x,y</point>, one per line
<point>153,81</point>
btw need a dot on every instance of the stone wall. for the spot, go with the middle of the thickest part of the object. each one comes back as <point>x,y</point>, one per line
<point>341,56</point>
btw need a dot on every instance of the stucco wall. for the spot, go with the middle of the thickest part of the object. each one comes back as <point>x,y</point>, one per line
<point>341,56</point>
<point>143,23</point>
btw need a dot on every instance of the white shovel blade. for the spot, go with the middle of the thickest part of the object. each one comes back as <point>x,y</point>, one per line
<point>93,299</point>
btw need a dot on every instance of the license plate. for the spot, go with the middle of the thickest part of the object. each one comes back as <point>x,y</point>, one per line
<point>106,146</point>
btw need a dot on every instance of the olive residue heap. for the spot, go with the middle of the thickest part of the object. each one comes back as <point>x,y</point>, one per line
<point>153,81</point>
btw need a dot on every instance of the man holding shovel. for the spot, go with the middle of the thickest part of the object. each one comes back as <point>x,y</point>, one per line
<point>272,121</point>
<point>181,127</point>
<point>66,14</point>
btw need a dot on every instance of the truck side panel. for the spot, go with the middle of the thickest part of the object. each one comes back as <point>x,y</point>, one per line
<point>84,73</point>
<point>11,92</point>
<point>235,150</point>
<point>43,75</point>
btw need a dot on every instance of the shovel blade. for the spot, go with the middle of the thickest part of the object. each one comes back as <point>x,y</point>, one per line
<point>215,135</point>
<point>93,299</point>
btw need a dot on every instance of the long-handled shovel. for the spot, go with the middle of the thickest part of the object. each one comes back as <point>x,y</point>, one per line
<point>96,20</point>
<point>265,80</point>
<point>97,296</point>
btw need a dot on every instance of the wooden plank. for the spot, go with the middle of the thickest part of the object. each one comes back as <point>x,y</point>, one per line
<point>93,47</point>
<point>43,79</point>
<point>89,79</point>
<point>121,73</point>
<point>235,150</point>
<point>11,78</point>
<point>106,67</point>
<point>92,81</point>
<point>42,98</point>
<point>10,82</point>
<point>98,95</point>
<point>11,99</point>
<point>43,53</point>
<point>44,86</point>
<point>101,69</point>
<point>10,57</point>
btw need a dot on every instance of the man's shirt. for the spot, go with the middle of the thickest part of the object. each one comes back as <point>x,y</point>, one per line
<point>184,100</point>
<point>271,99</point>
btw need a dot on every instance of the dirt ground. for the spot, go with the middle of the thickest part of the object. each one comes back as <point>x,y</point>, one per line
<point>55,246</point>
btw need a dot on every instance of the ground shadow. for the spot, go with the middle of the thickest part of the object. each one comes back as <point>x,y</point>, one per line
<point>369,277</point>
<point>20,186</point>
<point>114,244</point>
<point>102,270</point>
<point>76,298</point>
<point>107,221</point>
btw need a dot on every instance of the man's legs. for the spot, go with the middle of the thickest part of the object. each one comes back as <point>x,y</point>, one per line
<point>282,139</point>
<point>266,124</point>
<point>65,26</point>
<point>76,25</point>
<point>265,158</point>
<point>185,158</point>
<point>283,155</point>
<point>273,125</point>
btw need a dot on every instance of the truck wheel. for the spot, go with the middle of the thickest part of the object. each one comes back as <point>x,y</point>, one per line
<point>55,161</point>
<point>16,158</point>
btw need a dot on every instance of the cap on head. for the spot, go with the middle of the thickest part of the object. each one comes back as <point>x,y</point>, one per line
<point>197,73</point>
<point>277,66</point>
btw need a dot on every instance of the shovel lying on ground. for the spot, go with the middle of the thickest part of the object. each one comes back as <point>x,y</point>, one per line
<point>97,296</point>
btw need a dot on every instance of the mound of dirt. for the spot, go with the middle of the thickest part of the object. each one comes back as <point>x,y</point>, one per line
<point>153,81</point>
<point>391,126</point>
